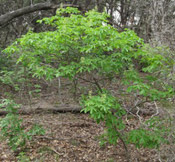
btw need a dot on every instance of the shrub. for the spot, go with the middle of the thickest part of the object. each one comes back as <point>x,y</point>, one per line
<point>87,45</point>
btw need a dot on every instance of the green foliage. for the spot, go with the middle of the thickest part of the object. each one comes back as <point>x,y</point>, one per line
<point>87,44</point>
<point>161,63</point>
<point>145,138</point>
<point>12,78</point>
<point>152,135</point>
<point>80,44</point>
<point>36,90</point>
<point>19,81</point>
<point>22,157</point>
<point>12,129</point>
<point>4,61</point>
<point>84,44</point>
<point>105,107</point>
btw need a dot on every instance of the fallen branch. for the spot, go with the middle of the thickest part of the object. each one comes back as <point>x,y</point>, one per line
<point>58,109</point>
<point>26,110</point>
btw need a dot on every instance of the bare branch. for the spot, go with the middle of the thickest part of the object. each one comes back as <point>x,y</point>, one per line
<point>157,110</point>
<point>4,19</point>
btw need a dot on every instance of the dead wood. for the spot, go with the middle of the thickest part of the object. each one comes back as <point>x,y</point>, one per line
<point>58,109</point>
<point>27,110</point>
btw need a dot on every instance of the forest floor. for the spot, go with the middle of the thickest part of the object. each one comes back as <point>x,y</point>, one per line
<point>73,136</point>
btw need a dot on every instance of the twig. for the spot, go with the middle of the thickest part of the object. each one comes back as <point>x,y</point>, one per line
<point>51,138</point>
<point>59,89</point>
<point>55,151</point>
<point>85,80</point>
<point>125,146</point>
<point>128,110</point>
<point>97,84</point>
<point>157,110</point>
<point>137,113</point>
<point>159,156</point>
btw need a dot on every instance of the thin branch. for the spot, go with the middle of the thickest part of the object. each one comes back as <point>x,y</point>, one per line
<point>86,80</point>
<point>137,113</point>
<point>97,84</point>
<point>157,110</point>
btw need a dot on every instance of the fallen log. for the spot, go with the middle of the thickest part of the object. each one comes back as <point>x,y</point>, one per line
<point>27,110</point>
<point>58,109</point>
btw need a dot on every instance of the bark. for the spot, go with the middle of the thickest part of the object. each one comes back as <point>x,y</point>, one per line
<point>4,19</point>
<point>57,109</point>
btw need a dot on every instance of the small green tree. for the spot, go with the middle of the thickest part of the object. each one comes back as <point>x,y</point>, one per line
<point>87,44</point>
